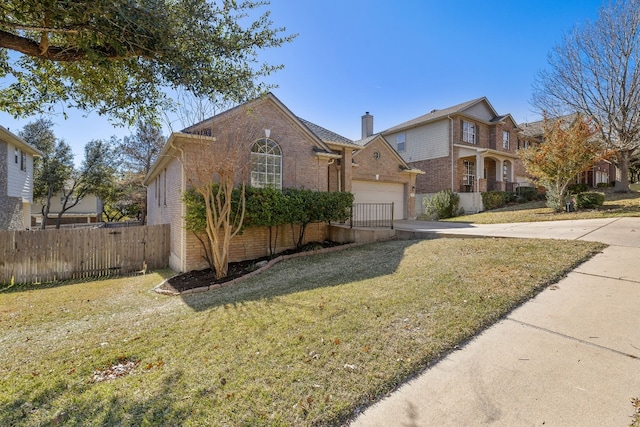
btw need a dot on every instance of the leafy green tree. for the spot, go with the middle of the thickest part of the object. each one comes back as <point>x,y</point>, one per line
<point>596,71</point>
<point>96,175</point>
<point>568,149</point>
<point>53,169</point>
<point>138,152</point>
<point>116,57</point>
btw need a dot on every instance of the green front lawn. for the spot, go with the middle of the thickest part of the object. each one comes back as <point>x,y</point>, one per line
<point>309,341</point>
<point>615,205</point>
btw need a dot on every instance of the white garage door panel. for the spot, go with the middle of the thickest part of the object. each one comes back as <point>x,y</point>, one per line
<point>380,192</point>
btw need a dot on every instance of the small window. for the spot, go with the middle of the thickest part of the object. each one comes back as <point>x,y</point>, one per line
<point>23,161</point>
<point>376,155</point>
<point>469,132</point>
<point>401,142</point>
<point>164,193</point>
<point>505,140</point>
<point>17,156</point>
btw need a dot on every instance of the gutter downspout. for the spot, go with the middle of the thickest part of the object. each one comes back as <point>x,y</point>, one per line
<point>183,209</point>
<point>451,142</point>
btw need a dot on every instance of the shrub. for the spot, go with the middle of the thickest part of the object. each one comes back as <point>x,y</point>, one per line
<point>589,200</point>
<point>554,200</point>
<point>577,188</point>
<point>493,199</point>
<point>444,204</point>
<point>603,184</point>
<point>526,194</point>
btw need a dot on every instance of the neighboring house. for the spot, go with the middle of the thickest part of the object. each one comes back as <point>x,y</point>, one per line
<point>16,181</point>
<point>468,148</point>
<point>604,171</point>
<point>87,211</point>
<point>283,150</point>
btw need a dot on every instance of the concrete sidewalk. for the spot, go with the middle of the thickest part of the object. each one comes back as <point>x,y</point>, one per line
<point>569,357</point>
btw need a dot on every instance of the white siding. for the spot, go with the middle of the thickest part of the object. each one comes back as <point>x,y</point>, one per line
<point>480,111</point>
<point>88,205</point>
<point>20,183</point>
<point>430,141</point>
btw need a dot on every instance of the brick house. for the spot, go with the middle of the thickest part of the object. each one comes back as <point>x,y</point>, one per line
<point>604,171</point>
<point>467,148</point>
<point>16,181</point>
<point>276,148</point>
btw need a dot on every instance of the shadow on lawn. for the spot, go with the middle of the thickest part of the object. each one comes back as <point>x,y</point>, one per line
<point>22,287</point>
<point>308,273</point>
<point>159,407</point>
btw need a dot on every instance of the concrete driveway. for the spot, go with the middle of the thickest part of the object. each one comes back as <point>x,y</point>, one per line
<point>568,357</point>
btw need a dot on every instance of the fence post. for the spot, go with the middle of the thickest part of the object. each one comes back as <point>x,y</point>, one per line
<point>392,214</point>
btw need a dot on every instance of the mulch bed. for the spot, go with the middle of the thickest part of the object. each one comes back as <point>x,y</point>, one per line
<point>204,278</point>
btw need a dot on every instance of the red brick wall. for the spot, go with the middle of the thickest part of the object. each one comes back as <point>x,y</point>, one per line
<point>437,176</point>
<point>253,243</point>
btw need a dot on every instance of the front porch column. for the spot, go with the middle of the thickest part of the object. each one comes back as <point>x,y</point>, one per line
<point>500,175</point>
<point>479,170</point>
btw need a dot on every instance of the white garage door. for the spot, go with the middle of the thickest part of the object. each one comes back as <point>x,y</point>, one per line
<point>380,192</point>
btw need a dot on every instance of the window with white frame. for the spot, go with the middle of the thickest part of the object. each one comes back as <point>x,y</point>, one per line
<point>401,144</point>
<point>468,132</point>
<point>17,156</point>
<point>469,173</point>
<point>23,161</point>
<point>505,139</point>
<point>266,164</point>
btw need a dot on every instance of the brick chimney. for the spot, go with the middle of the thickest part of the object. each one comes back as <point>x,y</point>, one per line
<point>367,125</point>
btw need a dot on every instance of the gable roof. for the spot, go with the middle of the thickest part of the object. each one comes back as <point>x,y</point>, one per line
<point>435,115</point>
<point>320,136</point>
<point>536,129</point>
<point>8,136</point>
<point>403,165</point>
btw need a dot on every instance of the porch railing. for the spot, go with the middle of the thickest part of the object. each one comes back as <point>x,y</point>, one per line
<point>371,215</point>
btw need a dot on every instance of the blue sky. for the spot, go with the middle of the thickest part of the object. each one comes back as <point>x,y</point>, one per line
<point>395,59</point>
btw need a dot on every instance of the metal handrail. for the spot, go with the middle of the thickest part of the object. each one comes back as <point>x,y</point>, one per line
<point>371,215</point>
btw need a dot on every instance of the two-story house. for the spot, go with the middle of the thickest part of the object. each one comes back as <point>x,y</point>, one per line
<point>467,148</point>
<point>16,181</point>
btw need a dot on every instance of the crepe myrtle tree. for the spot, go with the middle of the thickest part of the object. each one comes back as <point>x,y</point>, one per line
<point>569,148</point>
<point>118,57</point>
<point>216,166</point>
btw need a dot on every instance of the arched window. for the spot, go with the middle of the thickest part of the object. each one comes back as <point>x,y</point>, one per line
<point>266,164</point>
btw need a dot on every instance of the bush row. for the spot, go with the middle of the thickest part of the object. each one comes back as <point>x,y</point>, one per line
<point>270,207</point>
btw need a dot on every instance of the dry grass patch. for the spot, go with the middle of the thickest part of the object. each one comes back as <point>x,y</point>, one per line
<point>305,343</point>
<point>615,205</point>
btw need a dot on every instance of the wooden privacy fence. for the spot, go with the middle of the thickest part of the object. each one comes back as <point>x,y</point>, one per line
<point>50,255</point>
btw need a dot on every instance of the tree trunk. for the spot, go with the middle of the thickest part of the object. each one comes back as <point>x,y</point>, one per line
<point>622,185</point>
<point>46,208</point>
